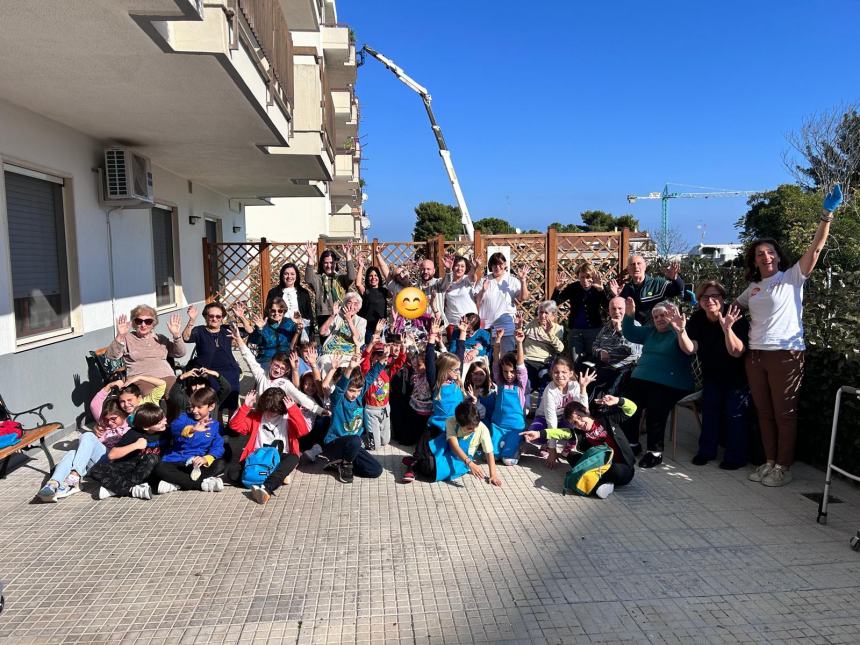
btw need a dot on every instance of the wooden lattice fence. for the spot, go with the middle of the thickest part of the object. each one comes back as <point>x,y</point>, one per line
<point>246,271</point>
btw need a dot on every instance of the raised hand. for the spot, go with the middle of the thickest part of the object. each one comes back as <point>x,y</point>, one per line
<point>294,361</point>
<point>336,361</point>
<point>174,325</point>
<point>448,261</point>
<point>672,270</point>
<point>586,378</point>
<point>239,309</point>
<point>258,321</point>
<point>629,307</point>
<point>500,333</point>
<point>312,355</point>
<point>310,250</point>
<point>251,398</point>
<point>463,326</point>
<point>522,273</point>
<point>833,199</point>
<point>470,355</point>
<point>192,313</point>
<point>123,326</point>
<point>348,249</point>
<point>354,361</point>
<point>470,392</point>
<point>607,399</point>
<point>678,321</point>
<point>234,332</point>
<point>288,402</point>
<point>519,336</point>
<point>361,262</point>
<point>733,314</point>
<point>614,287</point>
<point>519,320</point>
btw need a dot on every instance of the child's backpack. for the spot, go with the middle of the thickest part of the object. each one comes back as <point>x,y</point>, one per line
<point>10,433</point>
<point>583,477</point>
<point>259,465</point>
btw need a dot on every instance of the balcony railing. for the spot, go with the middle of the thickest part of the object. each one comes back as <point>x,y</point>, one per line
<point>269,26</point>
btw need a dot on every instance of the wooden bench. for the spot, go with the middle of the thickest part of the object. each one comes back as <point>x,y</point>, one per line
<point>31,435</point>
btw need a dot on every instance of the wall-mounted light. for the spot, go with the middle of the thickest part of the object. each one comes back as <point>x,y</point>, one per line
<point>192,219</point>
<point>236,229</point>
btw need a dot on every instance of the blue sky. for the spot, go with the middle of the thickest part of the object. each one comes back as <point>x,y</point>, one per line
<point>552,108</point>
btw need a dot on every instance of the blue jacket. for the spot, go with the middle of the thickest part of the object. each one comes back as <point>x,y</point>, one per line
<point>197,444</point>
<point>272,339</point>
<point>482,337</point>
<point>347,417</point>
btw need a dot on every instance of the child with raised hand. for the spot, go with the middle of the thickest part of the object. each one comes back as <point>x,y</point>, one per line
<point>480,387</point>
<point>509,419</point>
<point>476,341</point>
<point>194,379</point>
<point>566,386</point>
<point>278,375</point>
<point>272,419</point>
<point>319,389</point>
<point>111,425</point>
<point>343,441</point>
<point>602,427</point>
<point>194,461</point>
<point>133,458</point>
<point>377,411</point>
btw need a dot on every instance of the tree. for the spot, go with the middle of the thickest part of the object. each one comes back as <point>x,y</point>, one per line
<point>789,214</point>
<point>566,228</point>
<point>672,242</point>
<point>493,225</point>
<point>434,218</point>
<point>829,148</point>
<point>627,221</point>
<point>600,221</point>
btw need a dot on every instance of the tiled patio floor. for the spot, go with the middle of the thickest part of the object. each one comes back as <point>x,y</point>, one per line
<point>684,554</point>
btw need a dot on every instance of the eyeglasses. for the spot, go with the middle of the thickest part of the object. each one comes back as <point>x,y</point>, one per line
<point>711,296</point>
<point>143,321</point>
<point>214,316</point>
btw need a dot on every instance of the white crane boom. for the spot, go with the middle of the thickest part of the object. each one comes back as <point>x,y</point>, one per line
<point>466,219</point>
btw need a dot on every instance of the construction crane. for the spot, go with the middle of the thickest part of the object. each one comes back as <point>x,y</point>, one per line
<point>667,194</point>
<point>437,132</point>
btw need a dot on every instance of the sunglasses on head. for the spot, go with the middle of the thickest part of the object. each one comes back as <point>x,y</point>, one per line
<point>143,321</point>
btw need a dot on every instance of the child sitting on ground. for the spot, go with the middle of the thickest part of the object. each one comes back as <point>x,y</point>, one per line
<point>343,441</point>
<point>509,418</point>
<point>130,396</point>
<point>276,421</point>
<point>194,379</point>
<point>377,411</point>
<point>111,425</point>
<point>598,429</point>
<point>194,461</point>
<point>565,387</point>
<point>450,456</point>
<point>133,458</point>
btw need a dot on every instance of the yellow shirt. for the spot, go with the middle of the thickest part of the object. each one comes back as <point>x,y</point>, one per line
<point>480,436</point>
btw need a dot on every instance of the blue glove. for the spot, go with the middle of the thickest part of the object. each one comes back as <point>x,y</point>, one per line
<point>833,199</point>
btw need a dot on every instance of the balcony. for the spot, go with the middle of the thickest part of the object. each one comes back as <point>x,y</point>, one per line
<point>339,50</point>
<point>303,15</point>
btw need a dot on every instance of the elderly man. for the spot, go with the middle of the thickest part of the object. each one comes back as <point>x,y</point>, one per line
<point>647,290</point>
<point>613,354</point>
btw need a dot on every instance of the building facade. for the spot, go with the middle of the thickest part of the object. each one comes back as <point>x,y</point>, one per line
<point>325,71</point>
<point>210,93</point>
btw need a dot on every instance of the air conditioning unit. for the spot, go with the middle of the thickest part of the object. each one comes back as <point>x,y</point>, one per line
<point>127,178</point>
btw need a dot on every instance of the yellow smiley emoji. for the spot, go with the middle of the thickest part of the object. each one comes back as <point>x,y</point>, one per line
<point>411,303</point>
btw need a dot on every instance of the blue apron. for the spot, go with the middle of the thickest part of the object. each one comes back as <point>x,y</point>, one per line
<point>508,422</point>
<point>448,465</point>
<point>450,396</point>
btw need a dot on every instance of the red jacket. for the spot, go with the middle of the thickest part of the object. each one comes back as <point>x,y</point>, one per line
<point>378,393</point>
<point>247,421</point>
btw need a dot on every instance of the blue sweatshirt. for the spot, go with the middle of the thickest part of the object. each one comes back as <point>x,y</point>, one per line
<point>347,417</point>
<point>272,339</point>
<point>187,444</point>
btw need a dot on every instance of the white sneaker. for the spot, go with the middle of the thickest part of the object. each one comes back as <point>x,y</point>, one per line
<point>312,453</point>
<point>778,476</point>
<point>510,461</point>
<point>66,491</point>
<point>166,487</point>
<point>104,493</point>
<point>195,473</point>
<point>604,490</point>
<point>761,472</point>
<point>212,485</point>
<point>141,491</point>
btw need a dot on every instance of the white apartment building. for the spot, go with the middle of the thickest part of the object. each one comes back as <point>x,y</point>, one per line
<point>211,92</point>
<point>325,74</point>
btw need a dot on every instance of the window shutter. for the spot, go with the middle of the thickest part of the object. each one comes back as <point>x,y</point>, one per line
<point>34,210</point>
<point>162,243</point>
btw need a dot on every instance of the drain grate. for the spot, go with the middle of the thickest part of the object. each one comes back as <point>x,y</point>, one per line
<point>817,497</point>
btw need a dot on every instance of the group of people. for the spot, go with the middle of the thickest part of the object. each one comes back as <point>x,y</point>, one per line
<point>339,374</point>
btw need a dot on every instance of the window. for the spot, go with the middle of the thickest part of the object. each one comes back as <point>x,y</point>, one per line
<point>37,247</point>
<point>163,256</point>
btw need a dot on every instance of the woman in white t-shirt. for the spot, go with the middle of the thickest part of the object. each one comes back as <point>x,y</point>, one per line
<point>456,289</point>
<point>497,295</point>
<point>774,362</point>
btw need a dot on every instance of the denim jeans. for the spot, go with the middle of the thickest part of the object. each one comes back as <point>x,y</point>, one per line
<point>724,406</point>
<point>349,448</point>
<point>89,451</point>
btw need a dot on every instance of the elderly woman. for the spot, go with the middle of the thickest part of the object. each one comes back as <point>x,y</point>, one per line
<point>374,297</point>
<point>661,378</point>
<point>718,334</point>
<point>295,296</point>
<point>774,363</point>
<point>345,328</point>
<point>329,287</point>
<point>213,349</point>
<point>543,342</point>
<point>145,352</point>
